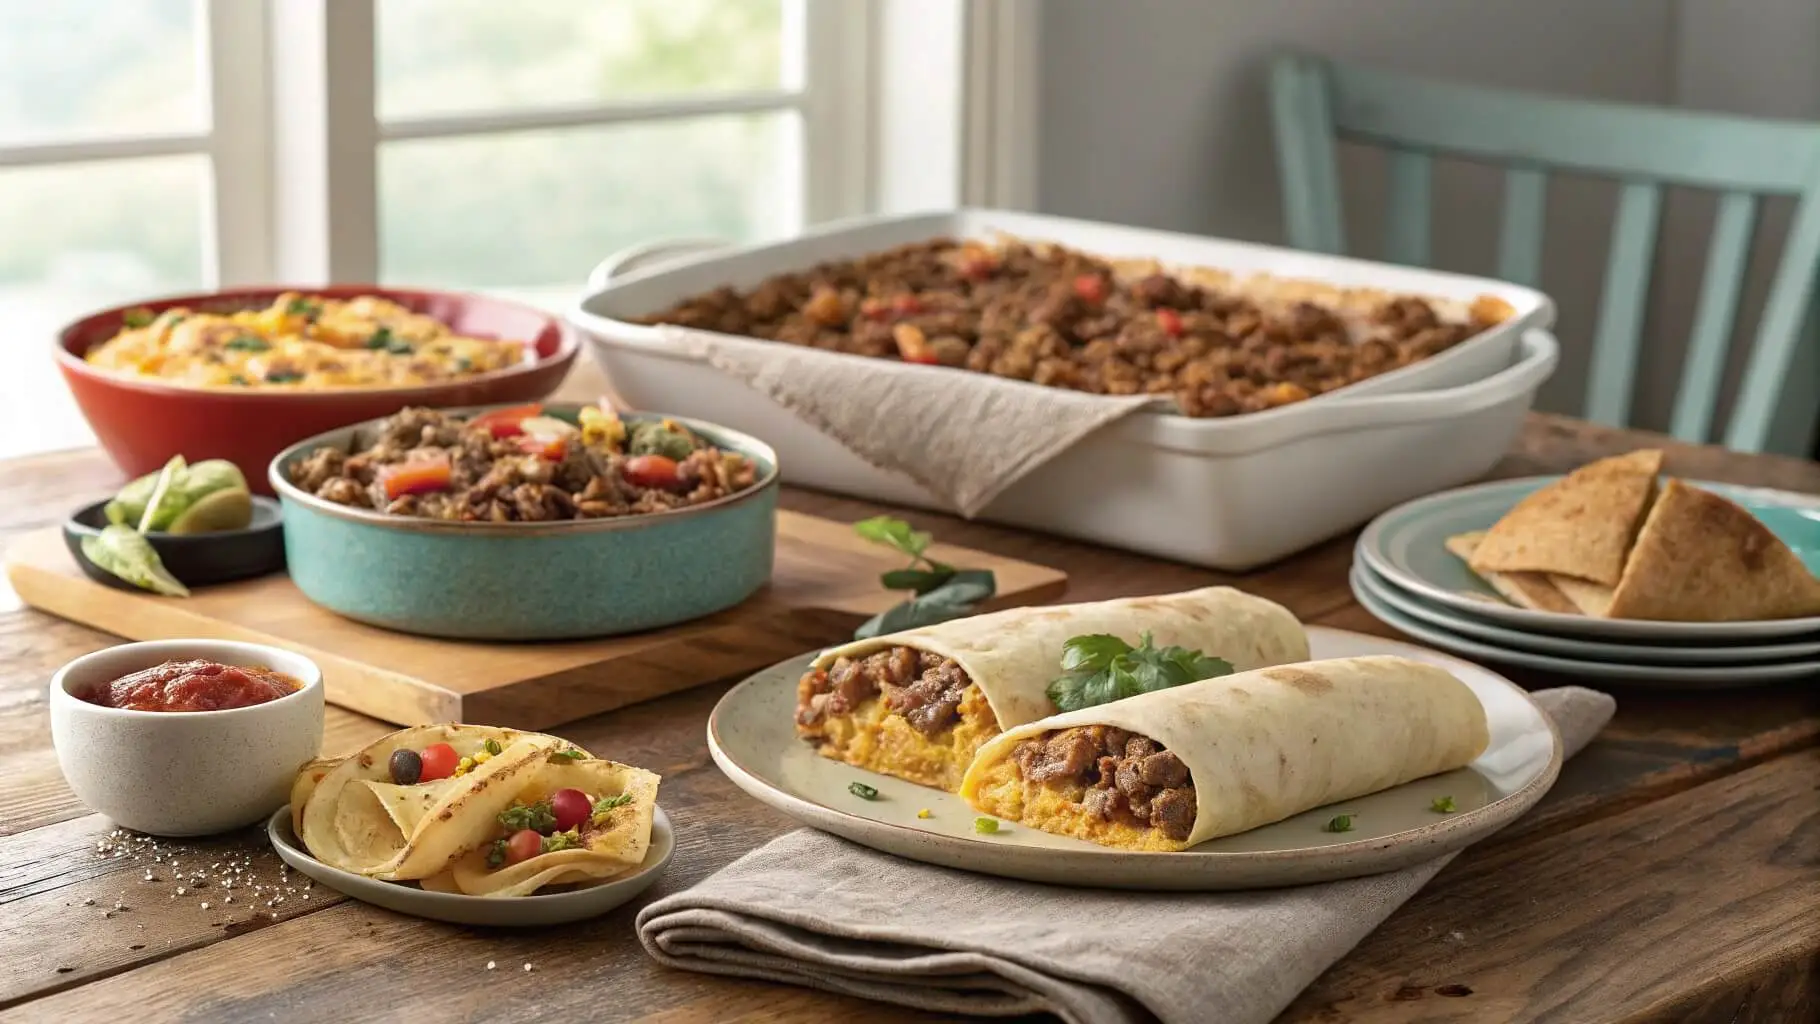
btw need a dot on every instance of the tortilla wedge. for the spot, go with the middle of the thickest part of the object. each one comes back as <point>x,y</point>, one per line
<point>1580,526</point>
<point>1533,590</point>
<point>1703,558</point>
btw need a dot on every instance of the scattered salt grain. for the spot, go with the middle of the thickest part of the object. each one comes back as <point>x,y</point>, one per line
<point>491,965</point>
<point>528,968</point>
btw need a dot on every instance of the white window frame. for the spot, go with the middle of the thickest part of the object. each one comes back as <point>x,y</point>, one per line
<point>905,105</point>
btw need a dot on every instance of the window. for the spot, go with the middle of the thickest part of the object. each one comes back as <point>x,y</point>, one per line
<point>157,146</point>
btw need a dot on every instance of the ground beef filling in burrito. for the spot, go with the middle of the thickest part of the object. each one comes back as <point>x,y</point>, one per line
<point>925,689</point>
<point>1125,777</point>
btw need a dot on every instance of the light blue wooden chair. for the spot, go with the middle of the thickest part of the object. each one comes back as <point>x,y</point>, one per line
<point>1315,102</point>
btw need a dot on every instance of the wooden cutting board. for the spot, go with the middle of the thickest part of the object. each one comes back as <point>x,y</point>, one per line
<point>824,584</point>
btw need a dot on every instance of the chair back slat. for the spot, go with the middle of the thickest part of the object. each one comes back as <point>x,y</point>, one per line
<point>1305,156</point>
<point>1406,228</point>
<point>1621,310</point>
<point>1317,103</point>
<point>1779,401</point>
<point>1727,260</point>
<point>1525,213</point>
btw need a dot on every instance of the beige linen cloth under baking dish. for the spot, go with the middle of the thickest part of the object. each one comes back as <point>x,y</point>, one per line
<point>811,909</point>
<point>926,422</point>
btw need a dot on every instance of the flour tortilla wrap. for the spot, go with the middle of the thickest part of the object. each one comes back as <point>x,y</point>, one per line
<point>614,846</point>
<point>1012,656</point>
<point>1259,746</point>
<point>355,818</point>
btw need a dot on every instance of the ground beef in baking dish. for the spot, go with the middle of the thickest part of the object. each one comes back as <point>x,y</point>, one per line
<point>1128,777</point>
<point>924,688</point>
<point>1065,319</point>
<point>480,477</point>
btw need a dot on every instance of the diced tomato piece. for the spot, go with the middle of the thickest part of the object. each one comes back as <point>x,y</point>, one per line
<point>439,761</point>
<point>906,305</point>
<point>420,476</point>
<point>505,422</point>
<point>523,845</point>
<point>552,448</point>
<point>978,264</point>
<point>912,346</point>
<point>1170,321</point>
<point>1091,288</point>
<point>651,471</point>
<point>876,310</point>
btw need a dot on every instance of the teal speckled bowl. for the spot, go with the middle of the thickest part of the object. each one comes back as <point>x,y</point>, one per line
<point>530,581</point>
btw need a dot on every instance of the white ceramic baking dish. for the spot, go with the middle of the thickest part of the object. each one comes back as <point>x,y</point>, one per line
<point>1230,493</point>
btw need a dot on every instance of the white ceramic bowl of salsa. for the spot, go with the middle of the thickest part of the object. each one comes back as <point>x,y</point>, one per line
<point>184,772</point>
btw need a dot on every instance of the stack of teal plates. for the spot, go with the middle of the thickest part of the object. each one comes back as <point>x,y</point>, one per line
<point>1403,573</point>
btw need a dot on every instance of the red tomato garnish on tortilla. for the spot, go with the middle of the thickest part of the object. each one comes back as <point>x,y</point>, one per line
<point>524,844</point>
<point>439,760</point>
<point>1170,321</point>
<point>505,422</point>
<point>651,471</point>
<point>571,807</point>
<point>419,476</point>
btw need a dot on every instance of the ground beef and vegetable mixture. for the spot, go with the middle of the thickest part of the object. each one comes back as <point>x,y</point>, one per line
<point>518,465</point>
<point>1065,319</point>
<point>1128,778</point>
<point>924,688</point>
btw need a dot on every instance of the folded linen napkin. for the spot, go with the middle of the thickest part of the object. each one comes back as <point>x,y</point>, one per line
<point>811,909</point>
<point>925,422</point>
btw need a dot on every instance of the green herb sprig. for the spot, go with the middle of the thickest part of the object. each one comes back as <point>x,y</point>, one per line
<point>863,791</point>
<point>1338,823</point>
<point>1100,668</point>
<point>942,592</point>
<point>1443,805</point>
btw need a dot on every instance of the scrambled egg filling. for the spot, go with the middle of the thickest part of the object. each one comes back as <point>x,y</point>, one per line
<point>301,342</point>
<point>1057,808</point>
<point>875,738</point>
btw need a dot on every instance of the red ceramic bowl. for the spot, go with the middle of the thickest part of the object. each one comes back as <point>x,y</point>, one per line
<point>142,422</point>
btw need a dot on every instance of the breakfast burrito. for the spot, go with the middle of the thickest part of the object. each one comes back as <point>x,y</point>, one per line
<point>1168,769</point>
<point>919,704</point>
<point>410,803</point>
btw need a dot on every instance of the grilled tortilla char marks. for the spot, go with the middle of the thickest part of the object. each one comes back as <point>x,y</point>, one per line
<point>1126,777</point>
<point>1065,319</point>
<point>925,689</point>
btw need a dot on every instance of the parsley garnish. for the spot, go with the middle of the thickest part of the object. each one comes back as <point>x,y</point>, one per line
<point>603,808</point>
<point>496,856</point>
<point>1339,823</point>
<point>238,379</point>
<point>248,343</point>
<point>1442,805</point>
<point>1100,668</point>
<point>381,338</point>
<point>137,318</point>
<point>537,817</point>
<point>570,754</point>
<point>283,377</point>
<point>301,306</point>
<point>569,840</point>
<point>985,826</point>
<point>863,791</point>
<point>942,591</point>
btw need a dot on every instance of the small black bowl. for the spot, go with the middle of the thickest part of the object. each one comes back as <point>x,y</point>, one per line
<point>197,559</point>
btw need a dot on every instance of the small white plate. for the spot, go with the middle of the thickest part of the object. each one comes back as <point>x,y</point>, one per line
<point>1703,677</point>
<point>1406,546</point>
<point>491,911</point>
<point>752,737</point>
<point>1572,647</point>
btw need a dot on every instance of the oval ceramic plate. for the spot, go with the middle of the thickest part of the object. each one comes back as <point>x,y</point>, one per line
<point>496,912</point>
<point>751,735</point>
<point>1573,647</point>
<point>1689,677</point>
<point>1406,546</point>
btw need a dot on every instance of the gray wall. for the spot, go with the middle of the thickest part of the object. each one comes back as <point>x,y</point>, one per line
<point>1153,112</point>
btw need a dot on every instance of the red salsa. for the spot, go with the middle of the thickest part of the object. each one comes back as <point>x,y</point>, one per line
<point>193,686</point>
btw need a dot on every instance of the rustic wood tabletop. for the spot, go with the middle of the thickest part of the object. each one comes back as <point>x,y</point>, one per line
<point>1672,874</point>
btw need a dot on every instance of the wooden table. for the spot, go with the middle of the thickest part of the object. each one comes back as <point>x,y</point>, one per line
<point>1672,874</point>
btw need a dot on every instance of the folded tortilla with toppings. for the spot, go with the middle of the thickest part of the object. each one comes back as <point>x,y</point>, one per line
<point>919,704</point>
<point>611,840</point>
<point>1166,770</point>
<point>361,817</point>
